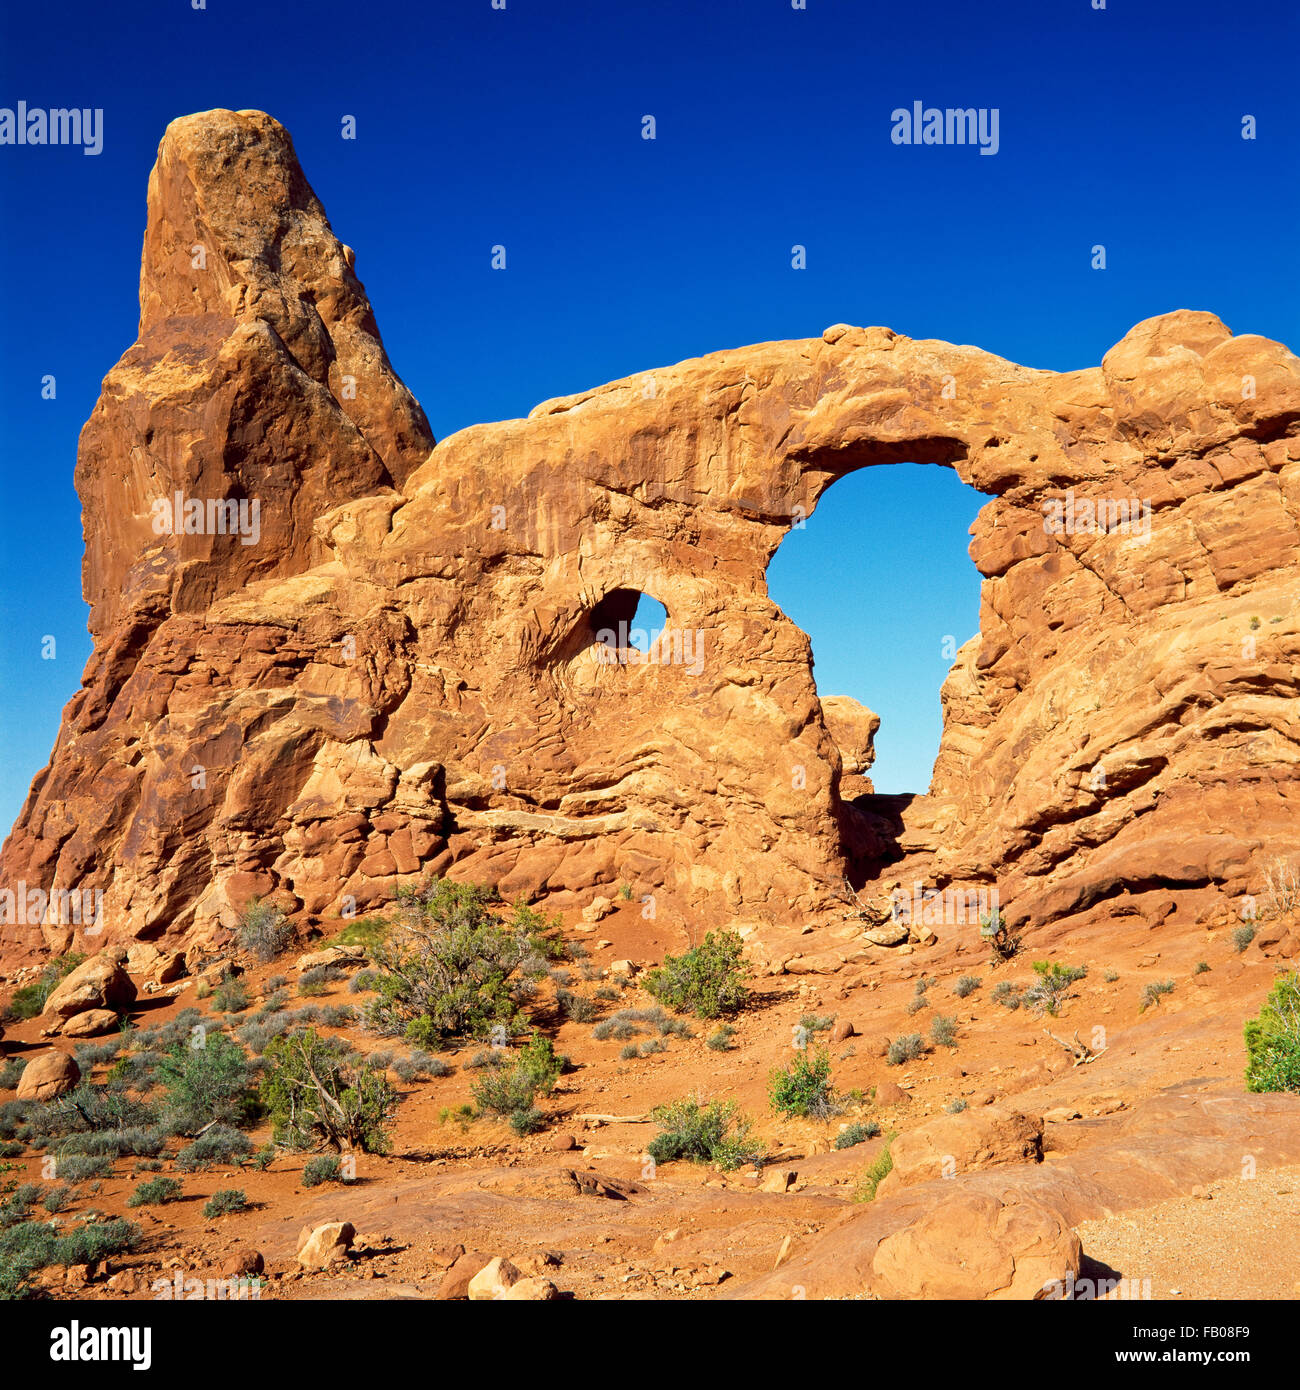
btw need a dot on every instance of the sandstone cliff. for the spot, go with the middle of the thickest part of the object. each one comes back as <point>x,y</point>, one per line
<point>411,669</point>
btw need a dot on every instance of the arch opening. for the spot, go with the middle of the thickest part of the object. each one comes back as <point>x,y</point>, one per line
<point>879,578</point>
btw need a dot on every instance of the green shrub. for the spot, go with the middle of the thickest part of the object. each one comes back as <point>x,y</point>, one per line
<point>966,986</point>
<point>1202,968</point>
<point>363,981</point>
<point>943,1031</point>
<point>1154,992</point>
<point>876,1172</point>
<point>419,1065</point>
<point>954,1107</point>
<point>1052,986</point>
<point>720,1039</point>
<point>11,1072</point>
<point>527,1121</point>
<point>231,996</point>
<point>81,1168</point>
<point>505,1091</point>
<point>319,1096</point>
<point>153,1192</point>
<point>201,1084</point>
<point>225,1203</point>
<point>905,1049</point>
<point>262,931</point>
<point>709,980</point>
<point>317,980</point>
<point>1002,941</point>
<point>1273,1039</point>
<point>629,1052</point>
<point>1006,994</point>
<point>917,1003</point>
<point>710,1133</point>
<point>803,1088</point>
<point>219,1145</point>
<point>1242,936</point>
<point>25,1249</point>
<point>450,968</point>
<point>58,1198</point>
<point>321,1169</point>
<point>578,1008</point>
<point>857,1133</point>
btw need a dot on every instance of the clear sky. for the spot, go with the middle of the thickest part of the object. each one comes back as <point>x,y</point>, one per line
<point>523,126</point>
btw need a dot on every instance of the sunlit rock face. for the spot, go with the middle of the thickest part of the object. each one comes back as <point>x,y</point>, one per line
<point>395,658</point>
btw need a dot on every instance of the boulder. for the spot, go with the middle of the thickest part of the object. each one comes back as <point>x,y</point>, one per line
<point>963,1143</point>
<point>98,983</point>
<point>494,1280</point>
<point>888,934</point>
<point>47,1076</point>
<point>322,1246</point>
<point>90,1024</point>
<point>331,955</point>
<point>975,1246</point>
<point>455,1282</point>
<point>533,1289</point>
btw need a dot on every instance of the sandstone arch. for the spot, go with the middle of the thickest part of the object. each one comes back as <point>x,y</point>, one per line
<point>373,693</point>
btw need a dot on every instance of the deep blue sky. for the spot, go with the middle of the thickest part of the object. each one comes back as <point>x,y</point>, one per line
<point>523,127</point>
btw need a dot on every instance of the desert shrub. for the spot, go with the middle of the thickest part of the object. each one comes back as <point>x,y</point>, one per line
<point>720,1039</point>
<point>1154,992</point>
<point>363,981</point>
<point>966,986</point>
<point>29,1000</point>
<point>905,1049</point>
<point>1281,888</point>
<point>36,1245</point>
<point>511,1091</point>
<point>263,1158</point>
<point>503,1091</point>
<point>943,1031</point>
<point>1202,968</point>
<point>875,1173</point>
<point>708,1133</point>
<point>1273,1039</point>
<point>58,1198</point>
<point>803,1088</point>
<point>1052,986</point>
<point>418,1065</point>
<point>258,1032</point>
<point>219,1145</point>
<point>11,1072</point>
<point>321,1169</point>
<point>448,968</point>
<point>816,1023</point>
<point>81,1167</point>
<point>648,1049</point>
<point>85,1110</point>
<point>955,1106</point>
<point>629,1052</point>
<point>1003,942</point>
<point>578,1008</point>
<point>17,1206</point>
<point>487,1057</point>
<point>318,1095</point>
<point>559,978</point>
<point>12,1148</point>
<point>1111,976</point>
<point>1006,994</point>
<point>137,1140</point>
<point>857,1133</point>
<point>318,979</point>
<point>225,1202</point>
<point>708,981</point>
<point>917,1003</point>
<point>231,996</point>
<point>262,931</point>
<point>201,1084</point>
<point>527,1121</point>
<point>607,993</point>
<point>95,1054</point>
<point>1242,936</point>
<point>153,1192</point>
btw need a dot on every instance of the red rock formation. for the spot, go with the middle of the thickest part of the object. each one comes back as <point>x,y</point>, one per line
<point>402,675</point>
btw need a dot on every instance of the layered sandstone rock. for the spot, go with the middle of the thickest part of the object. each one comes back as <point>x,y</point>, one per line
<point>422,664</point>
